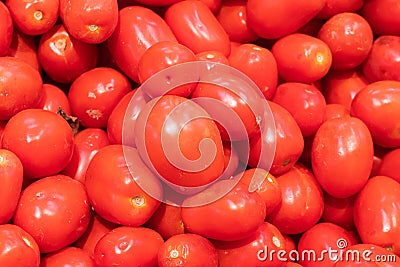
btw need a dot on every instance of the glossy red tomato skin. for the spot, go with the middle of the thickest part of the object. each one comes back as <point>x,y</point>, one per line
<point>63,57</point>
<point>196,27</point>
<point>21,87</point>
<point>382,23</point>
<point>377,105</point>
<point>187,250</point>
<point>333,7</point>
<point>382,62</point>
<point>376,210</point>
<point>344,142</point>
<point>126,245</point>
<point>90,21</point>
<point>113,192</point>
<point>17,247</point>
<point>53,201</point>
<point>306,104</point>
<point>339,211</point>
<point>389,164</point>
<point>54,98</point>
<point>249,59</point>
<point>11,175</point>
<point>33,17</point>
<point>94,94</point>
<point>24,47</point>
<point>283,16</point>
<point>335,111</point>
<point>349,37</point>
<point>212,55</point>
<point>302,58</point>
<point>6,29</point>
<point>68,256</point>
<point>34,130</point>
<point>86,144</point>
<point>146,26</point>
<point>302,201</point>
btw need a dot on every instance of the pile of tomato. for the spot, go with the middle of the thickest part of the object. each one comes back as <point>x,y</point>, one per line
<point>86,177</point>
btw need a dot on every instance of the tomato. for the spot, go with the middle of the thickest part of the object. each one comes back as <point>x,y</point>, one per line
<point>196,27</point>
<point>24,47</point>
<point>125,246</point>
<point>349,37</point>
<point>155,3</point>
<point>344,142</point>
<point>213,5</point>
<point>17,247</point>
<point>86,144</point>
<point>231,160</point>
<point>90,21</point>
<point>306,104</point>
<point>389,164</point>
<point>340,87</point>
<point>333,7</point>
<point>302,201</point>
<point>312,27</point>
<point>33,130</point>
<point>69,256</point>
<point>212,55</point>
<point>335,111</point>
<point>138,28</point>
<point>33,17</point>
<point>187,250</point>
<point>94,94</point>
<point>255,250</point>
<point>53,201</point>
<point>54,98</point>
<point>302,58</point>
<point>11,175</point>
<point>114,181</point>
<point>2,126</point>
<point>233,17</point>
<point>376,212</point>
<point>63,57</point>
<point>378,106</point>
<point>290,246</point>
<point>382,62</point>
<point>382,22</point>
<point>339,211</point>
<point>6,29</point>
<point>283,17</point>
<point>20,87</point>
<point>236,215</point>
<point>250,59</point>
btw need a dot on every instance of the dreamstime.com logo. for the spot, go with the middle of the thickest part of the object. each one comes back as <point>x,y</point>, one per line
<point>152,90</point>
<point>338,254</point>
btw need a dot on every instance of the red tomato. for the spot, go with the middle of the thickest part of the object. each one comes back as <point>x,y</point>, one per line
<point>33,130</point>
<point>290,246</point>
<point>377,211</point>
<point>196,27</point>
<point>24,47</point>
<point>302,58</point>
<point>20,87</point>
<point>378,106</point>
<point>335,111</point>
<point>114,180</point>
<point>302,202</point>
<point>213,56</point>
<point>153,3</point>
<point>339,211</point>
<point>231,160</point>
<point>34,17</point>
<point>312,27</point>
<point>88,20</point>
<point>233,17</point>
<point>213,5</point>
<point>11,176</point>
<point>283,16</point>
<point>54,98</point>
<point>333,7</point>
<point>63,57</point>
<point>386,22</point>
<point>389,164</point>
<point>2,126</point>
<point>349,37</point>
<point>55,210</point>
<point>344,142</point>
<point>250,59</point>
<point>69,256</point>
<point>188,250</point>
<point>138,29</point>
<point>234,216</point>
<point>383,61</point>
<point>306,104</point>
<point>94,94</point>
<point>86,144</point>
<point>6,29</point>
<point>17,247</point>
<point>125,246</point>
<point>260,249</point>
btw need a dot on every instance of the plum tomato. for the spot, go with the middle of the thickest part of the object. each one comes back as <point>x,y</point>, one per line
<point>94,94</point>
<point>33,130</point>
<point>231,160</point>
<point>335,111</point>
<point>213,56</point>
<point>20,87</point>
<point>333,7</point>
<point>213,5</point>
<point>124,246</point>
<point>68,256</point>
<point>24,47</point>
<point>6,29</point>
<point>302,58</point>
<point>383,16</point>
<point>378,106</point>
<point>389,164</point>
<point>55,210</point>
<point>342,154</point>
<point>54,99</point>
<point>349,37</point>
<point>190,250</point>
<point>339,211</point>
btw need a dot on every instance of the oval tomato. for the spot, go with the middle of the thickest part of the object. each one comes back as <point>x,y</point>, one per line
<point>213,56</point>
<point>6,29</point>
<point>339,211</point>
<point>24,47</point>
<point>69,256</point>
<point>335,111</point>
<point>382,23</point>
<point>54,99</point>
<point>389,164</point>
<point>333,7</point>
